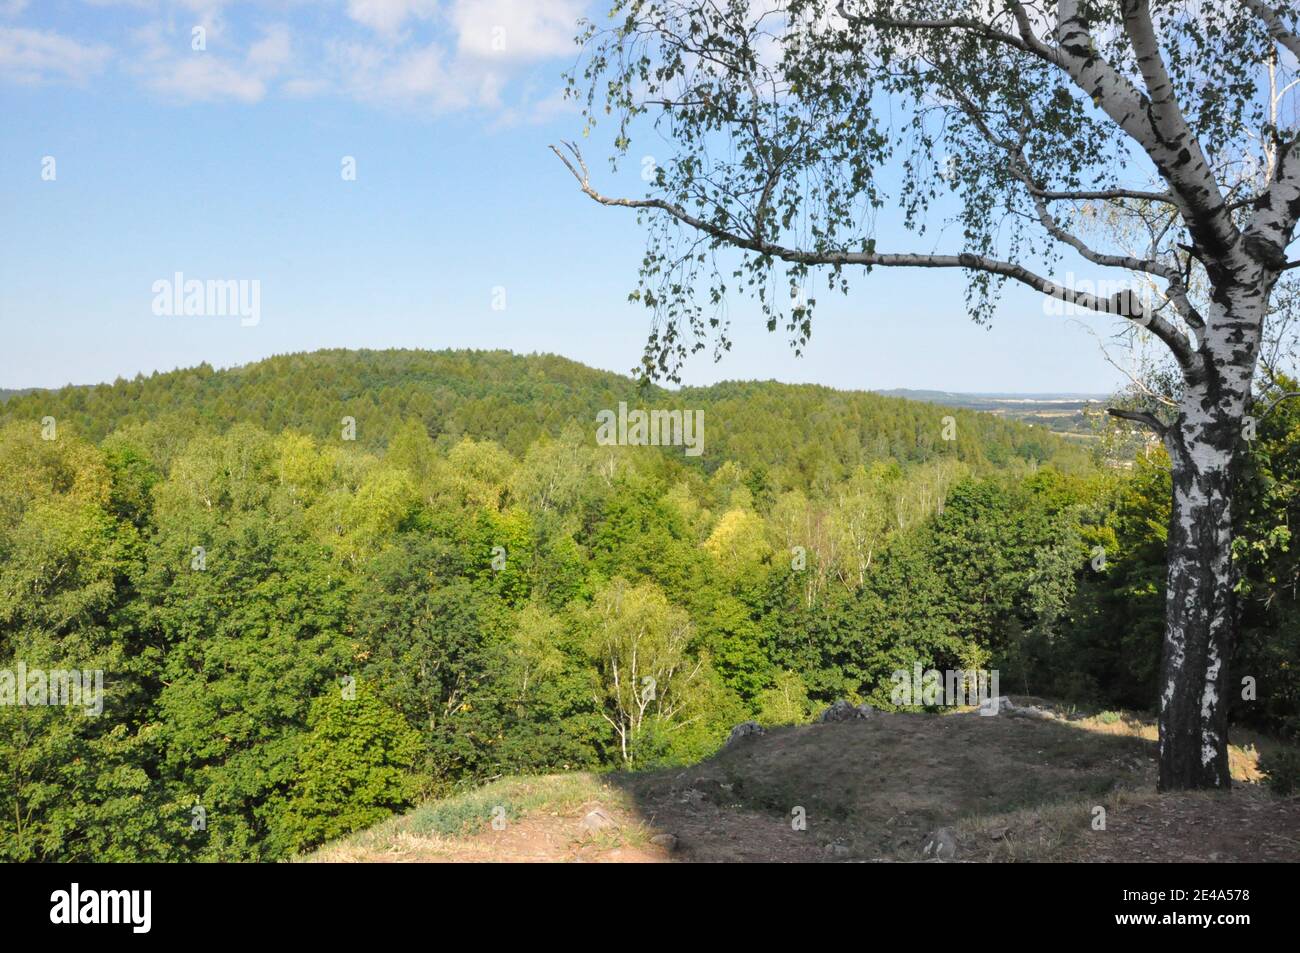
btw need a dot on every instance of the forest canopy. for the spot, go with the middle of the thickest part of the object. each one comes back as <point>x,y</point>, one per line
<point>301,633</point>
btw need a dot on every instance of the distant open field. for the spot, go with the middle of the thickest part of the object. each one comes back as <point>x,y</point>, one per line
<point>1064,413</point>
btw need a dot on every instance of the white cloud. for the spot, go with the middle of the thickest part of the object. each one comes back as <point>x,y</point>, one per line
<point>516,29</point>
<point>486,44</point>
<point>272,51</point>
<point>477,48</point>
<point>206,79</point>
<point>535,112</point>
<point>170,66</point>
<point>429,56</point>
<point>193,6</point>
<point>304,87</point>
<point>35,56</point>
<point>388,16</point>
<point>418,77</point>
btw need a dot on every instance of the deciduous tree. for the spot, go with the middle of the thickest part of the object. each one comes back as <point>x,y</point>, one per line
<point>793,124</point>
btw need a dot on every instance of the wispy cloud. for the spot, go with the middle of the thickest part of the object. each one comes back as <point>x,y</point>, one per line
<point>387,17</point>
<point>515,30</point>
<point>413,76</point>
<point>36,56</point>
<point>167,63</point>
<point>206,79</point>
<point>429,56</point>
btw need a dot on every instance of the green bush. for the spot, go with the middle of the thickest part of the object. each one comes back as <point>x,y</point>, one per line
<point>1283,770</point>
<point>354,769</point>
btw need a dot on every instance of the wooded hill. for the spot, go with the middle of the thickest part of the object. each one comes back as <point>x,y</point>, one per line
<point>802,434</point>
<point>299,634</point>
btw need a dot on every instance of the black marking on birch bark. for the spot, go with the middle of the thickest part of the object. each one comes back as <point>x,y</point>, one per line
<point>1268,253</point>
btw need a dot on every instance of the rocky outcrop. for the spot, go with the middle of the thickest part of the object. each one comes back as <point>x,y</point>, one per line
<point>746,729</point>
<point>996,706</point>
<point>1002,705</point>
<point>844,710</point>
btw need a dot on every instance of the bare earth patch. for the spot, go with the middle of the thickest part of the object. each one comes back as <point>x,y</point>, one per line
<point>1248,825</point>
<point>1004,788</point>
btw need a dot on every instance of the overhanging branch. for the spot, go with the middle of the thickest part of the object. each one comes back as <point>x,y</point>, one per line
<point>1123,304</point>
<point>1102,195</point>
<point>1156,122</point>
<point>1172,337</point>
<point>1278,30</point>
<point>1140,417</point>
<point>1273,405</point>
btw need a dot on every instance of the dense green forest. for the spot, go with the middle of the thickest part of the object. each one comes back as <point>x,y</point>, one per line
<point>807,433</point>
<point>301,633</point>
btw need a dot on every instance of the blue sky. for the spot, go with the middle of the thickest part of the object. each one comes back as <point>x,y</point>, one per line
<point>225,163</point>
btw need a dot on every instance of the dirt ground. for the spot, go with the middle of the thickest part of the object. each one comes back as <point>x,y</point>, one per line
<point>1004,788</point>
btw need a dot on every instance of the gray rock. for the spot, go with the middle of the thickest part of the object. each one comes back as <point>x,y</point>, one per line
<point>598,820</point>
<point>746,729</point>
<point>1031,711</point>
<point>844,710</point>
<point>667,841</point>
<point>996,706</point>
<point>837,850</point>
<point>939,845</point>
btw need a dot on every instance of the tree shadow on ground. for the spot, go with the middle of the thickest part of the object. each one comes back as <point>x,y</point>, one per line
<point>875,788</point>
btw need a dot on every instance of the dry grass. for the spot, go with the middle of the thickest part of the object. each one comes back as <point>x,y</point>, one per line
<point>1043,833</point>
<point>460,827</point>
<point>1010,789</point>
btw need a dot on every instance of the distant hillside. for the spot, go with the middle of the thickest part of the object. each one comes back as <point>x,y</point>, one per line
<point>7,394</point>
<point>1062,412</point>
<point>965,399</point>
<point>809,433</point>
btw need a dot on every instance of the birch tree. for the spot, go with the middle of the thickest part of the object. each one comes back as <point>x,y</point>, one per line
<point>638,643</point>
<point>782,132</point>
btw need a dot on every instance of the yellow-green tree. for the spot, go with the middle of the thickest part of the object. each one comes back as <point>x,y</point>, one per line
<point>639,642</point>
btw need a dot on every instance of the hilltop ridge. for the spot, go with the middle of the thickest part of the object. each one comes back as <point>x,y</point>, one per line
<point>511,398</point>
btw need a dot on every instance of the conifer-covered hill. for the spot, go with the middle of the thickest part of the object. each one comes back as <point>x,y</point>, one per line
<point>806,433</point>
